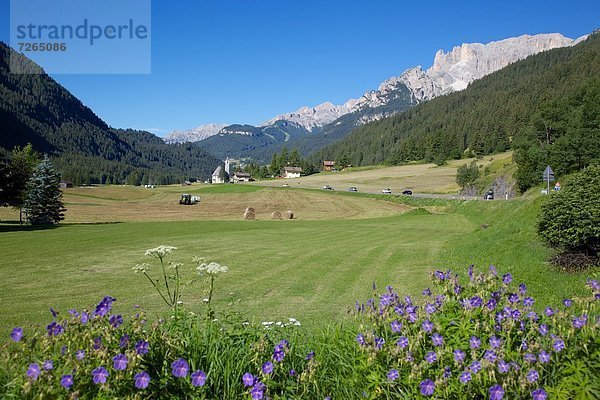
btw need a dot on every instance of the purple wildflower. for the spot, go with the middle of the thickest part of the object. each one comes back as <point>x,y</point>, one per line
<point>48,365</point>
<point>506,279</point>
<point>539,394</point>
<point>115,320</point>
<point>33,371</point>
<point>360,338</point>
<point>100,375</point>
<point>543,329</point>
<point>142,347</point>
<point>379,342</point>
<point>496,392</point>
<point>427,292</point>
<point>458,289</point>
<point>16,334</point>
<point>459,356</point>
<point>396,326</point>
<point>513,298</point>
<point>544,357</point>
<point>437,339</point>
<point>310,356</point>
<point>292,372</point>
<point>80,354</point>
<point>503,366</point>
<point>53,312</point>
<point>258,390</point>
<point>475,367</point>
<point>429,308</point>
<point>567,302</point>
<point>393,375</point>
<point>528,301</point>
<point>84,318</point>
<point>447,373</point>
<point>490,355</point>
<point>580,322</point>
<point>104,307</point>
<point>522,289</point>
<point>475,342</point>
<point>267,368</point>
<point>124,341</point>
<point>402,342</point>
<point>558,345</point>
<point>248,379</point>
<point>532,375</point>
<point>66,381</point>
<point>465,377</point>
<point>142,380</point>
<point>54,329</point>
<point>198,378</point>
<point>495,342</point>
<point>493,270</point>
<point>549,311</point>
<point>180,368</point>
<point>476,301</point>
<point>427,325</point>
<point>431,357</point>
<point>530,358</point>
<point>120,362</point>
<point>427,387</point>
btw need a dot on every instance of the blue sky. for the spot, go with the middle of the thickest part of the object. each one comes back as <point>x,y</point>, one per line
<point>247,61</point>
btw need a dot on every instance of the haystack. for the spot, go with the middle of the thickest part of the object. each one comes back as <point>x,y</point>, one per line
<point>276,215</point>
<point>289,215</point>
<point>249,215</point>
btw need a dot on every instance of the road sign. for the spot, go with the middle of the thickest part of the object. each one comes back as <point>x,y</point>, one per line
<point>548,174</point>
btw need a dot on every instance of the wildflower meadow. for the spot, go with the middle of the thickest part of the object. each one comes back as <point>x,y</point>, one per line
<point>481,336</point>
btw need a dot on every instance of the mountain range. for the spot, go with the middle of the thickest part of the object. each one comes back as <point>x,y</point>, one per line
<point>312,128</point>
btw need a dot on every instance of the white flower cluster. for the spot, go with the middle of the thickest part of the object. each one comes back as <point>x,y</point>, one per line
<point>279,324</point>
<point>160,251</point>
<point>141,268</point>
<point>211,269</point>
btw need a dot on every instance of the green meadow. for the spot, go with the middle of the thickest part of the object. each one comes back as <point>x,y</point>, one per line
<point>312,270</point>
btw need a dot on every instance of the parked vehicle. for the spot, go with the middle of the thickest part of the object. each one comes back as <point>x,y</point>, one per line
<point>327,187</point>
<point>407,192</point>
<point>285,185</point>
<point>387,191</point>
<point>352,189</point>
<point>489,195</point>
<point>188,199</point>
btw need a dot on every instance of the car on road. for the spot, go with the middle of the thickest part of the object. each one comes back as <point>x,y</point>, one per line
<point>327,187</point>
<point>407,192</point>
<point>387,191</point>
<point>489,195</point>
<point>352,189</point>
<point>285,185</point>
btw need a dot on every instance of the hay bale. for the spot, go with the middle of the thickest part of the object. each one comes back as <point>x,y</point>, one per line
<point>250,209</point>
<point>289,215</point>
<point>249,216</point>
<point>276,215</point>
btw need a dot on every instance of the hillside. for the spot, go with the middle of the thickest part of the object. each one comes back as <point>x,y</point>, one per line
<point>35,109</point>
<point>553,92</point>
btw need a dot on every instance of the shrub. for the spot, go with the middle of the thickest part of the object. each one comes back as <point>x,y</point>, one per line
<point>467,174</point>
<point>570,218</point>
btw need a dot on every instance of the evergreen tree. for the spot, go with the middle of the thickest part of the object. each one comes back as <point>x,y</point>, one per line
<point>43,201</point>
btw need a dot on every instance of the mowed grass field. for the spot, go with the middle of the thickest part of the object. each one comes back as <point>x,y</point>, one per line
<point>312,268</point>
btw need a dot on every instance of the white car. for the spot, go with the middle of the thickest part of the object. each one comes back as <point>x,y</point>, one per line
<point>387,191</point>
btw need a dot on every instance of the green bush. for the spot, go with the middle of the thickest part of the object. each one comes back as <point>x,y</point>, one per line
<point>569,220</point>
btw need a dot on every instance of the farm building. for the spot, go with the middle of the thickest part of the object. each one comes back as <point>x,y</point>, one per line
<point>291,172</point>
<point>241,177</point>
<point>65,184</point>
<point>328,165</point>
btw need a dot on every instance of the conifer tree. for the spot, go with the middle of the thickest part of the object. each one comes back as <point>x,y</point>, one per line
<point>43,201</point>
